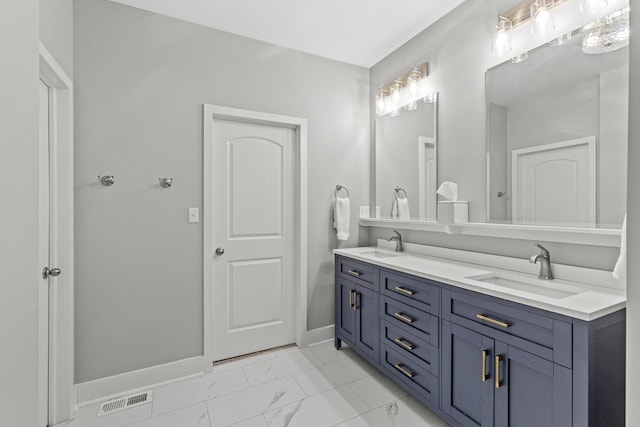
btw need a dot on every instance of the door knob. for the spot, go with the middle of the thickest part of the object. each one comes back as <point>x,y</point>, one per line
<point>54,272</point>
<point>219,251</point>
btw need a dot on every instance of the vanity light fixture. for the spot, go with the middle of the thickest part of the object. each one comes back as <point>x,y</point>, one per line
<point>403,92</point>
<point>536,11</point>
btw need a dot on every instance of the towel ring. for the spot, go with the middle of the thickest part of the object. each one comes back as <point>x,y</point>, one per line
<point>342,187</point>
<point>397,191</point>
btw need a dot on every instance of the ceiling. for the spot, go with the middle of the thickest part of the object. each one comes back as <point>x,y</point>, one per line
<point>359,32</point>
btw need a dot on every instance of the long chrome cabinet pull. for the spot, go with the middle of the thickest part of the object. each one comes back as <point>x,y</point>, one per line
<point>404,290</point>
<point>484,366</point>
<point>494,321</point>
<point>498,360</point>
<point>351,298</point>
<point>405,371</point>
<point>355,300</point>
<point>404,317</point>
<point>405,344</point>
<point>354,273</point>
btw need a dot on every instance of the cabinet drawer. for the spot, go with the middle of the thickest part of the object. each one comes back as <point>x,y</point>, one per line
<point>411,374</point>
<point>410,319</point>
<point>357,270</point>
<point>418,293</point>
<point>539,334</point>
<point>411,346</point>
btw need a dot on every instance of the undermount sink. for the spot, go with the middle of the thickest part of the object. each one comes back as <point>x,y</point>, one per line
<point>550,289</point>
<point>380,254</point>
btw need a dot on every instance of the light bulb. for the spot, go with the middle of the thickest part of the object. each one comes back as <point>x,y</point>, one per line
<point>381,101</point>
<point>394,94</point>
<point>587,7</point>
<point>542,18</point>
<point>502,37</point>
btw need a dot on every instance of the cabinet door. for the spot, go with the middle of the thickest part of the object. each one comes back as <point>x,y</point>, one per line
<point>532,391</point>
<point>367,330</point>
<point>345,313</point>
<point>467,376</point>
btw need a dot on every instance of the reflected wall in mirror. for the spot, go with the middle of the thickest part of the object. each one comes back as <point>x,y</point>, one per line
<point>557,137</point>
<point>406,159</point>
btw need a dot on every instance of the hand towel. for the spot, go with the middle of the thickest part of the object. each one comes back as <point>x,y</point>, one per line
<point>341,217</point>
<point>403,208</point>
<point>620,270</point>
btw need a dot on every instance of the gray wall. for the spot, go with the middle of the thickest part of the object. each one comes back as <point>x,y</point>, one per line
<point>458,50</point>
<point>19,213</point>
<point>141,80</point>
<point>56,31</point>
<point>633,224</point>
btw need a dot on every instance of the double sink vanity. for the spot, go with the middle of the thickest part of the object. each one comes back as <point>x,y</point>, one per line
<point>481,340</point>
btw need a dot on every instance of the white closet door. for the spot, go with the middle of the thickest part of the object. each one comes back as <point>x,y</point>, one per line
<point>253,189</point>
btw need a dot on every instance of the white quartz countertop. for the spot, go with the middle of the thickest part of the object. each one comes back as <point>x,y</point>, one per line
<point>570,298</point>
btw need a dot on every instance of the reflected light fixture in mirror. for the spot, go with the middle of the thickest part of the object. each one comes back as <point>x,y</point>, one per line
<point>403,92</point>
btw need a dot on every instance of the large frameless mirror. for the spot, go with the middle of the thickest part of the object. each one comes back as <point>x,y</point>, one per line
<point>557,131</point>
<point>406,162</point>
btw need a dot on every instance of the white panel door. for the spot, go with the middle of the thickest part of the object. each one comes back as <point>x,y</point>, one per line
<point>555,184</point>
<point>253,224</point>
<point>43,253</point>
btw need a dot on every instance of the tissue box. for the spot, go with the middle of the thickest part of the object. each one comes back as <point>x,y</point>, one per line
<point>453,212</point>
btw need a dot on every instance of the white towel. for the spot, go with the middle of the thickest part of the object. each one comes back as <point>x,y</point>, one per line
<point>620,270</point>
<point>403,208</point>
<point>341,214</point>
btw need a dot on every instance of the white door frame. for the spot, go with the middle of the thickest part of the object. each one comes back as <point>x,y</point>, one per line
<point>423,141</point>
<point>62,403</point>
<point>299,125</point>
<point>516,159</point>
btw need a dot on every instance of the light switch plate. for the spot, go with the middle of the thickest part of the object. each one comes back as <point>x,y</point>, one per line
<point>194,215</point>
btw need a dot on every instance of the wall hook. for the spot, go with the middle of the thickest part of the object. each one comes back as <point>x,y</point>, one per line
<point>107,180</point>
<point>165,182</point>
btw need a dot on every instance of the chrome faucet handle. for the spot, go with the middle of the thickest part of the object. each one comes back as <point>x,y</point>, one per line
<point>543,251</point>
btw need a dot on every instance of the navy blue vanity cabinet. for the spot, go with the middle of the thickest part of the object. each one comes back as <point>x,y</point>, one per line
<point>357,307</point>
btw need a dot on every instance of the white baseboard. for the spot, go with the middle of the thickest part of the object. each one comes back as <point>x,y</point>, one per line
<point>317,335</point>
<point>91,392</point>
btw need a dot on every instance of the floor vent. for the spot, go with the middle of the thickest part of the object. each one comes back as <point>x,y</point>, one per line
<point>122,403</point>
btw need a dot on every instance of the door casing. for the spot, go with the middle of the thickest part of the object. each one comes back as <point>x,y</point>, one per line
<point>61,394</point>
<point>299,125</point>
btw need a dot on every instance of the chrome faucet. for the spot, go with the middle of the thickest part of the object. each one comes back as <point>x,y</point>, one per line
<point>398,239</point>
<point>545,262</point>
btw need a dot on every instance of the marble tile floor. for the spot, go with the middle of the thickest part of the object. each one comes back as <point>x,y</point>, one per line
<point>291,387</point>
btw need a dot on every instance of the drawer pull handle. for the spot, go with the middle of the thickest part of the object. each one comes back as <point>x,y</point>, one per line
<point>404,317</point>
<point>405,344</point>
<point>494,321</point>
<point>404,290</point>
<point>498,360</point>
<point>354,273</point>
<point>351,298</point>
<point>405,371</point>
<point>355,300</point>
<point>484,366</point>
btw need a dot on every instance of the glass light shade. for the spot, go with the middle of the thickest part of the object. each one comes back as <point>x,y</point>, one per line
<point>587,7</point>
<point>412,105</point>
<point>395,94</point>
<point>608,34</point>
<point>381,101</point>
<point>543,22</point>
<point>502,36</point>
<point>520,58</point>
<point>413,81</point>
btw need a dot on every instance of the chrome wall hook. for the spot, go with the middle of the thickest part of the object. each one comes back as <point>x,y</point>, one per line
<point>107,180</point>
<point>165,182</point>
